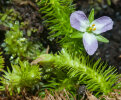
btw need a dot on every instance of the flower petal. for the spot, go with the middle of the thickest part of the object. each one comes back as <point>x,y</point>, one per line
<point>79,21</point>
<point>102,24</point>
<point>90,43</point>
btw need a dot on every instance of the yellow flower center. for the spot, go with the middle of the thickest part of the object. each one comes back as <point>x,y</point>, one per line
<point>90,29</point>
<point>93,25</point>
<point>93,28</point>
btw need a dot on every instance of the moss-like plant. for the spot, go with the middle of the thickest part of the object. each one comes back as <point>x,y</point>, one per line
<point>22,76</point>
<point>97,76</point>
<point>9,17</point>
<point>57,16</point>
<point>15,43</point>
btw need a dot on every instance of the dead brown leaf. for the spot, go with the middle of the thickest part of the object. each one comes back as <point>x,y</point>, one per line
<point>90,96</point>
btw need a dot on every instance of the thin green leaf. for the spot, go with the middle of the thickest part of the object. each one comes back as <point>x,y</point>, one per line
<point>91,16</point>
<point>102,39</point>
<point>76,35</point>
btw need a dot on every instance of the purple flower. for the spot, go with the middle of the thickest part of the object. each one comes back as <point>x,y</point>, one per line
<point>80,22</point>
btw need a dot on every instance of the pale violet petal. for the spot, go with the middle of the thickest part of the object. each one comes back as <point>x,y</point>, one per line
<point>79,21</point>
<point>90,43</point>
<point>102,24</point>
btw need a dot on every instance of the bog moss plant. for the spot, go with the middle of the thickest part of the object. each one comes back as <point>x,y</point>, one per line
<point>22,76</point>
<point>97,76</point>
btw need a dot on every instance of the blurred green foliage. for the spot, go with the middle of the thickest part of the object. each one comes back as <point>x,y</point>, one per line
<point>15,43</point>
<point>98,5</point>
<point>1,61</point>
<point>108,2</point>
<point>20,48</point>
<point>9,17</point>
